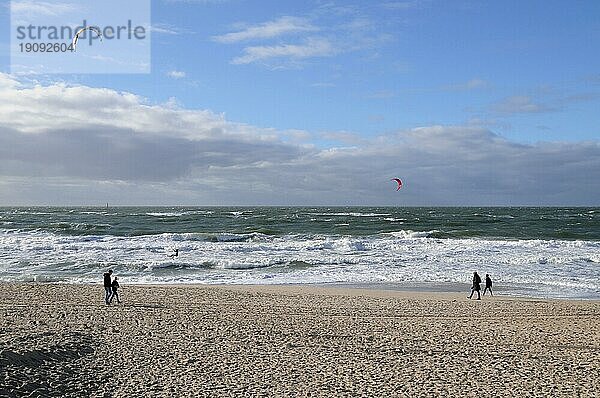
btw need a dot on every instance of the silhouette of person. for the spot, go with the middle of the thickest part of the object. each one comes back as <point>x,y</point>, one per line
<point>107,285</point>
<point>114,286</point>
<point>476,287</point>
<point>488,284</point>
<point>174,254</point>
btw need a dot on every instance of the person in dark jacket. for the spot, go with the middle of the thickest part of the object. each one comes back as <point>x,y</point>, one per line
<point>114,286</point>
<point>476,287</point>
<point>107,286</point>
<point>488,284</point>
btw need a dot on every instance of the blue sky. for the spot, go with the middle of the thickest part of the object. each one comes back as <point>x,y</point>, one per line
<point>392,65</point>
<point>336,74</point>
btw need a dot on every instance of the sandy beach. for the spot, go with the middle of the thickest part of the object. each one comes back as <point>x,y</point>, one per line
<point>62,340</point>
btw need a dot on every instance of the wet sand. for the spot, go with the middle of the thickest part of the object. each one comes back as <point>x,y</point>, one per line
<point>62,340</point>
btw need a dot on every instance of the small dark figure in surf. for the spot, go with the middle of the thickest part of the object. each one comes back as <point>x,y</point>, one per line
<point>174,254</point>
<point>114,285</point>
<point>488,284</point>
<point>476,287</point>
<point>107,285</point>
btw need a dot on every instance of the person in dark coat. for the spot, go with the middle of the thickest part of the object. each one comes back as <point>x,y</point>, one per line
<point>476,287</point>
<point>114,286</point>
<point>107,285</point>
<point>488,284</point>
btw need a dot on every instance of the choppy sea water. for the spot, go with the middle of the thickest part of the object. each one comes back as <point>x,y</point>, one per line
<point>538,252</point>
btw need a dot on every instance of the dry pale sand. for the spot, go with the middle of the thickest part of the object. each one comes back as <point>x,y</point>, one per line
<point>61,340</point>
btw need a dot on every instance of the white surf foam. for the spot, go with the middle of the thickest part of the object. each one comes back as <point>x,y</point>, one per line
<point>555,267</point>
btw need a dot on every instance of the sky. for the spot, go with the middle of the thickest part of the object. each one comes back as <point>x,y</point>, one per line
<point>470,103</point>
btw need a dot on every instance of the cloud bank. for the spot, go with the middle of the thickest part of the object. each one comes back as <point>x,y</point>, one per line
<point>62,144</point>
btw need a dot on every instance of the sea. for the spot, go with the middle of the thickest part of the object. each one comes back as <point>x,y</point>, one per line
<point>534,252</point>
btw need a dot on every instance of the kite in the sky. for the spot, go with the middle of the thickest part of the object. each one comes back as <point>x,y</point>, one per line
<point>80,31</point>
<point>399,181</point>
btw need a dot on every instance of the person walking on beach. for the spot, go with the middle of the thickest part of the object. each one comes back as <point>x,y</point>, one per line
<point>476,287</point>
<point>114,286</point>
<point>107,285</point>
<point>488,284</point>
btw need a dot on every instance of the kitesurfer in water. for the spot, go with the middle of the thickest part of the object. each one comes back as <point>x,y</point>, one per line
<point>174,254</point>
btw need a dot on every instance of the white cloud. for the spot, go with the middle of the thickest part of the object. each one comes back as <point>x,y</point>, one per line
<point>473,84</point>
<point>476,83</point>
<point>278,27</point>
<point>542,100</point>
<point>401,5</point>
<point>521,104</point>
<point>312,47</point>
<point>310,38</point>
<point>345,137</point>
<point>74,144</point>
<point>382,94</point>
<point>165,29</point>
<point>176,74</point>
<point>197,1</point>
<point>8,82</point>
<point>41,8</point>
<point>323,84</point>
<point>33,109</point>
